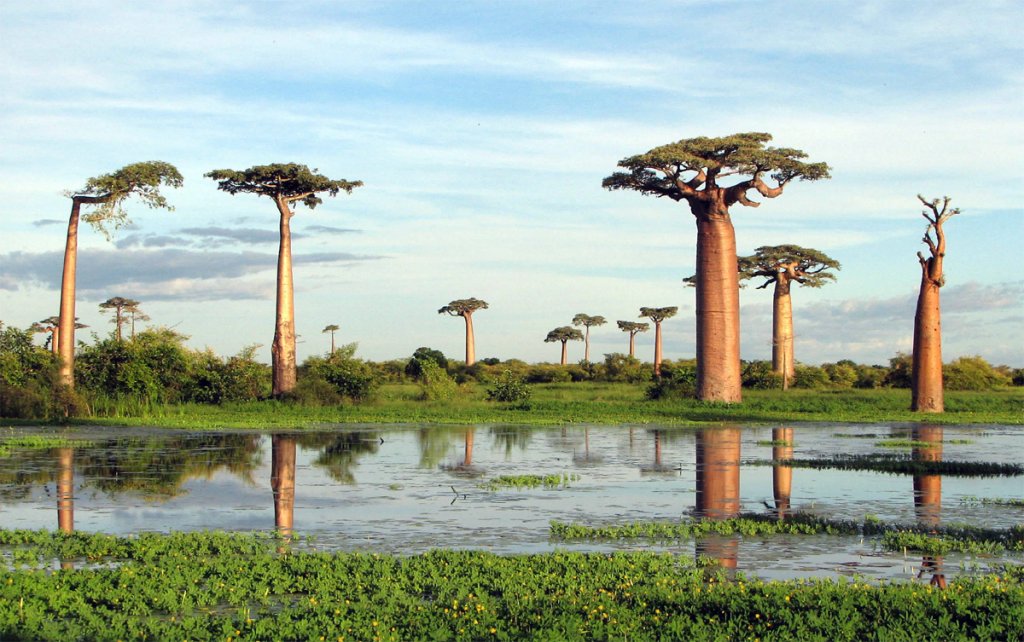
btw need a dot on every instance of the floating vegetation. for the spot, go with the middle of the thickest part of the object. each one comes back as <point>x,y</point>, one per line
<point>530,481</point>
<point>993,501</point>
<point>218,586</point>
<point>956,539</point>
<point>959,442</point>
<point>775,442</point>
<point>906,443</point>
<point>900,464</point>
<point>856,435</point>
<point>37,442</point>
<point>750,524</point>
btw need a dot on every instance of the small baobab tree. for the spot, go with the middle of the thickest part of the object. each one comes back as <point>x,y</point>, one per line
<point>784,265</point>
<point>633,328</point>
<point>332,329</point>
<point>690,170</point>
<point>465,308</point>
<point>49,325</point>
<point>287,184</point>
<point>121,307</point>
<point>105,195</point>
<point>565,334</point>
<point>657,315</point>
<point>587,322</point>
<point>135,314</point>
<point>926,366</point>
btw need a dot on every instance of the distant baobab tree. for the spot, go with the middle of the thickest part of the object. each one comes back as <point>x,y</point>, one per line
<point>657,315</point>
<point>50,325</point>
<point>587,321</point>
<point>926,366</point>
<point>633,327</point>
<point>120,306</point>
<point>287,184</point>
<point>106,194</point>
<point>783,265</point>
<point>465,308</point>
<point>689,170</point>
<point>332,329</point>
<point>565,334</point>
<point>135,314</point>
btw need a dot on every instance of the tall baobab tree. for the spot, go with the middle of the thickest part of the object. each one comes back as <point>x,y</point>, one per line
<point>587,321</point>
<point>120,306</point>
<point>287,184</point>
<point>926,367</point>
<point>565,334</point>
<point>465,308</point>
<point>657,315</point>
<point>50,325</point>
<point>633,328</point>
<point>106,195</point>
<point>332,329</point>
<point>784,265</point>
<point>135,314</point>
<point>689,170</point>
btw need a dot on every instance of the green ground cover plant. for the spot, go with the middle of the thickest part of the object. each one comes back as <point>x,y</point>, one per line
<point>900,464</point>
<point>994,501</point>
<point>239,587</point>
<point>563,480</point>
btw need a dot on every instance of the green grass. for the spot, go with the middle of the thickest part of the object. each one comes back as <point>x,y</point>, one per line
<point>520,482</point>
<point>591,403</point>
<point>994,501</point>
<point>901,465</point>
<point>214,586</point>
<point>34,442</point>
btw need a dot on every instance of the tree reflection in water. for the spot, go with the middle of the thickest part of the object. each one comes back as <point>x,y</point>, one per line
<point>465,468</point>
<point>282,483</point>
<point>657,467</point>
<point>718,490</point>
<point>782,476</point>
<point>928,495</point>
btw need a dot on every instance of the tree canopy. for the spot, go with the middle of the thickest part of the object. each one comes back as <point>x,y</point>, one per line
<point>659,314</point>
<point>563,334</point>
<point>289,182</point>
<point>588,321</point>
<point>108,192</point>
<point>691,168</point>
<point>463,307</point>
<point>633,327</point>
<point>806,266</point>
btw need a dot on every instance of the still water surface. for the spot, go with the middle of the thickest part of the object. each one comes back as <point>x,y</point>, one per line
<point>407,489</point>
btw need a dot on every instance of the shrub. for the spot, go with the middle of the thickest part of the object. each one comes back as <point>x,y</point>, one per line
<point>414,369</point>
<point>898,375</point>
<point>842,374</point>
<point>352,378</point>
<point>435,383</point>
<point>810,377</point>
<point>972,373</point>
<point>758,375</point>
<point>509,388</point>
<point>677,380</point>
<point>548,373</point>
<point>618,367</point>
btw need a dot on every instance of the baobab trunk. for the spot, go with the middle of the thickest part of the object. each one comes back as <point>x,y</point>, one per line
<point>657,348</point>
<point>282,351</point>
<point>470,343</point>
<point>632,344</point>
<point>926,376</point>
<point>586,345</point>
<point>64,339</point>
<point>782,331</point>
<point>718,310</point>
<point>565,352</point>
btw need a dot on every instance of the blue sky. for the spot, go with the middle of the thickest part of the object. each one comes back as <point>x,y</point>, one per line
<point>482,131</point>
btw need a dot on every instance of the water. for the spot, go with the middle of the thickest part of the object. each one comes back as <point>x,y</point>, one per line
<point>407,489</point>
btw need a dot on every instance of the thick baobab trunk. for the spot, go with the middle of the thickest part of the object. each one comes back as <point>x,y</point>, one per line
<point>718,489</point>
<point>66,489</point>
<point>657,348</point>
<point>565,352</point>
<point>282,351</point>
<point>782,331</point>
<point>926,373</point>
<point>53,341</point>
<point>586,345</point>
<point>282,483</point>
<point>470,341</point>
<point>782,476</point>
<point>65,336</point>
<point>632,344</point>
<point>718,311</point>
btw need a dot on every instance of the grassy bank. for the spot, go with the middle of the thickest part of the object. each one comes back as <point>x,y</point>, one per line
<point>592,403</point>
<point>204,586</point>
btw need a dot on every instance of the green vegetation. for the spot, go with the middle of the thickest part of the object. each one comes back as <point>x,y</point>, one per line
<point>775,442</point>
<point>993,501</point>
<point>963,539</point>
<point>902,465</point>
<point>530,481</point>
<point>35,442</point>
<point>220,586</point>
<point>905,443</point>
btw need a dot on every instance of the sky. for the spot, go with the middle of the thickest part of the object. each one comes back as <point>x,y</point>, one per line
<point>481,131</point>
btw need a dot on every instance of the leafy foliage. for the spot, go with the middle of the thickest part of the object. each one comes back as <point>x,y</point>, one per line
<point>414,368</point>
<point>657,315</point>
<point>463,307</point>
<point>563,333</point>
<point>352,378</point>
<point>289,182</point>
<point>509,388</point>
<point>806,266</point>
<point>108,192</point>
<point>435,382</point>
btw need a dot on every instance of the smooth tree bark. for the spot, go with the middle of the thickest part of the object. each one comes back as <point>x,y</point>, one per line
<point>657,315</point>
<point>926,364</point>
<point>689,170</point>
<point>66,489</point>
<point>287,184</point>
<point>106,195</point>
<point>633,328</point>
<point>587,322</point>
<point>782,266</point>
<point>718,489</point>
<point>121,306</point>
<point>282,483</point>
<point>564,334</point>
<point>332,329</point>
<point>465,308</point>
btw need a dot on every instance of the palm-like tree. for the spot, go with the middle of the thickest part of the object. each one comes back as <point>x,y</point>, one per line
<point>564,334</point>
<point>657,315</point>
<point>465,308</point>
<point>587,321</point>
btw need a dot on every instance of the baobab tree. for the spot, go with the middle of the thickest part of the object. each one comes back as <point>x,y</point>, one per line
<point>926,366</point>
<point>689,170</point>
<point>49,325</point>
<point>106,195</point>
<point>135,314</point>
<point>120,306</point>
<point>657,315</point>
<point>784,265</point>
<point>332,329</point>
<point>465,308</point>
<point>565,334</point>
<point>287,184</point>
<point>587,321</point>
<point>633,327</point>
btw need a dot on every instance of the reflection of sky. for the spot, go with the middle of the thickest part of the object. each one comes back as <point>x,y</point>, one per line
<point>397,504</point>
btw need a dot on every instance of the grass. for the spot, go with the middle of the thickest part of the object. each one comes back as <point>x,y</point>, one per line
<point>589,403</point>
<point>993,501</point>
<point>238,587</point>
<point>901,465</point>
<point>33,442</point>
<point>520,482</point>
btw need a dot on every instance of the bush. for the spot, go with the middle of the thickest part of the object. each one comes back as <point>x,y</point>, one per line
<point>898,375</point>
<point>972,373</point>
<point>810,377</point>
<point>677,380</point>
<point>758,375</point>
<point>548,373</point>
<point>352,378</point>
<point>622,368</point>
<point>842,374</point>
<point>509,388</point>
<point>414,369</point>
<point>435,383</point>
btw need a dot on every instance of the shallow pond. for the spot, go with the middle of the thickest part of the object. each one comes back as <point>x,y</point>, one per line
<point>406,489</point>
